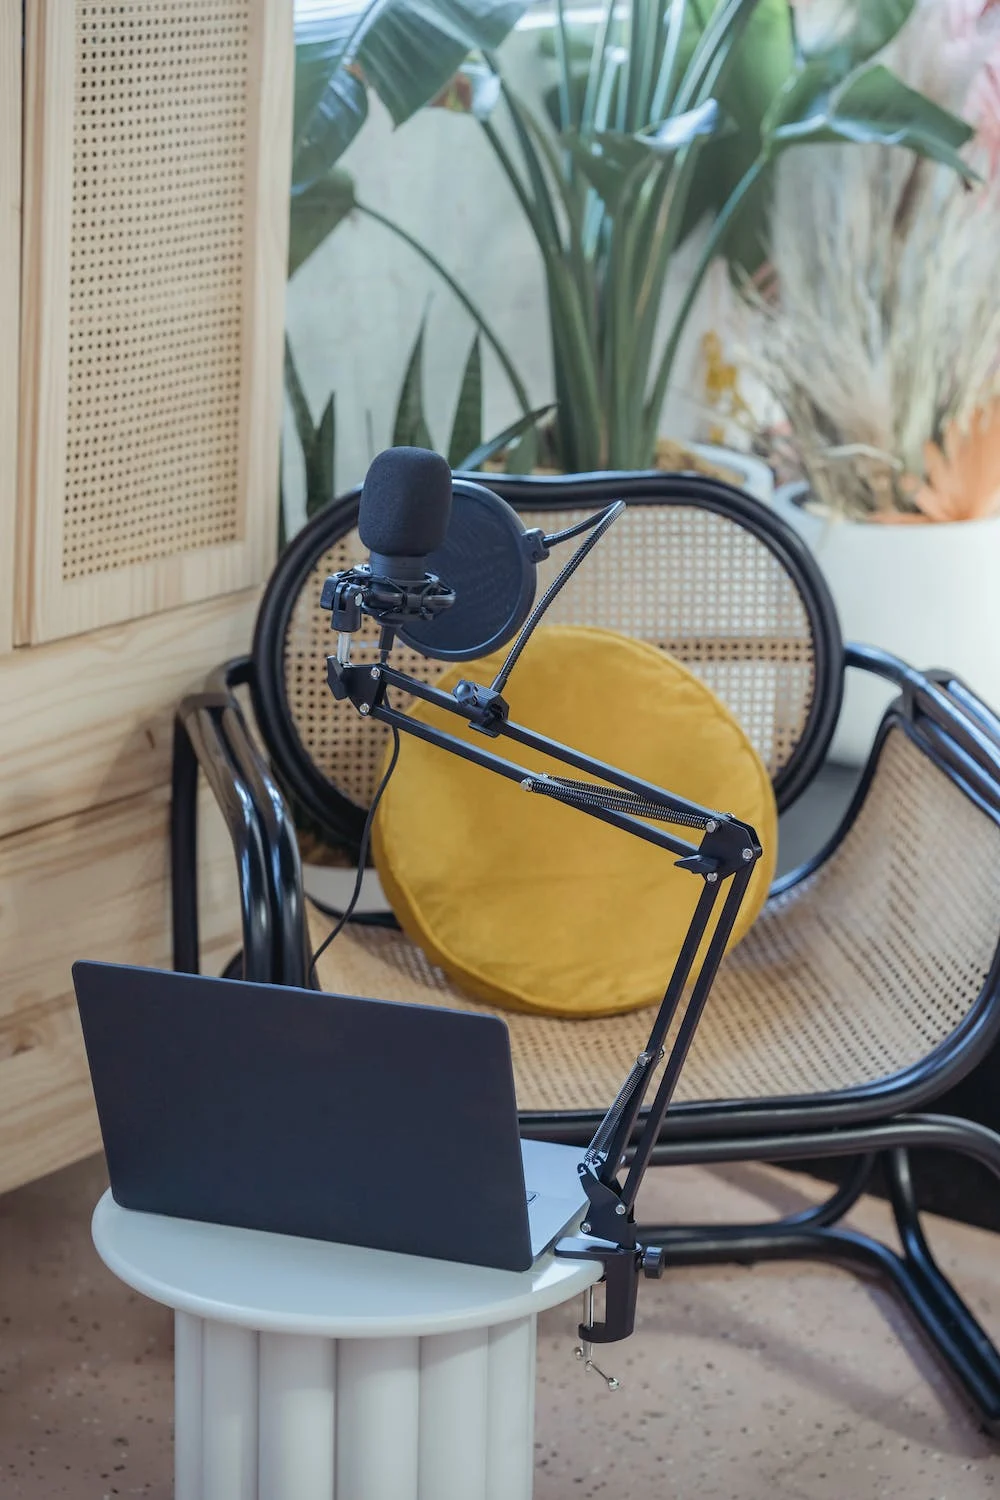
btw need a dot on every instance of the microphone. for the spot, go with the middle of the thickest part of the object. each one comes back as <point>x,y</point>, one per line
<point>402,519</point>
<point>404,511</point>
<point>452,568</point>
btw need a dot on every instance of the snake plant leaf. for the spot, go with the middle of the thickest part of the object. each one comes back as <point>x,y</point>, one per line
<point>467,427</point>
<point>321,477</point>
<point>315,213</point>
<point>525,425</point>
<point>409,429</point>
<point>852,34</point>
<point>870,107</point>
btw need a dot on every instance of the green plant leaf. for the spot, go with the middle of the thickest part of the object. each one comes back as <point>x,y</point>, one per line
<point>758,71</point>
<point>716,48</point>
<point>331,105</point>
<point>523,456</point>
<point>321,472</point>
<point>406,50</point>
<point>671,135</point>
<point>409,429</point>
<point>320,40</point>
<point>467,427</point>
<point>871,107</point>
<point>524,425</point>
<point>854,34</point>
<point>603,170</point>
<point>607,157</point>
<point>316,212</point>
<point>301,415</point>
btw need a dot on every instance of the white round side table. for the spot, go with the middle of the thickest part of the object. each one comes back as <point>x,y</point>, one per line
<point>311,1371</point>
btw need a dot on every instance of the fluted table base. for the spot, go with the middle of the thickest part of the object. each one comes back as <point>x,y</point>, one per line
<point>272,1416</point>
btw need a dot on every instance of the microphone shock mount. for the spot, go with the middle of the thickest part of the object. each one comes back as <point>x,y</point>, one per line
<point>358,591</point>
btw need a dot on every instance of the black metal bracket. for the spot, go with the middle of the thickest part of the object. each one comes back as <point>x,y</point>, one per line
<point>728,846</point>
<point>361,685</point>
<point>485,708</point>
<point>623,1265</point>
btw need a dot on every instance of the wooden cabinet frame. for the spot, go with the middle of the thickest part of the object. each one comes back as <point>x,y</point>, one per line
<point>10,260</point>
<point>52,602</point>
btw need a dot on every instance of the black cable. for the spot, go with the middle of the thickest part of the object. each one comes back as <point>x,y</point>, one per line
<point>600,525</point>
<point>383,919</point>
<point>362,859</point>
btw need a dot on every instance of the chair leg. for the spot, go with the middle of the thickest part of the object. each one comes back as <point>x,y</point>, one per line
<point>966,1332</point>
<point>963,1346</point>
<point>824,1214</point>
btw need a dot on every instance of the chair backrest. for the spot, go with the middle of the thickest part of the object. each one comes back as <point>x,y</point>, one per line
<point>697,568</point>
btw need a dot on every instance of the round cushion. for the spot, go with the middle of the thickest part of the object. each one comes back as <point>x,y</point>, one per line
<point>533,905</point>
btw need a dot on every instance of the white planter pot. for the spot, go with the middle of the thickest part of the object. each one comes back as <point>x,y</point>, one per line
<point>928,593</point>
<point>751,474</point>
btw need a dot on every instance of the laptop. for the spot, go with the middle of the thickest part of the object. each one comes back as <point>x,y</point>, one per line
<point>328,1116</point>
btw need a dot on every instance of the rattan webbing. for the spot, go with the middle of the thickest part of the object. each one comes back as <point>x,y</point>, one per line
<point>685,579</point>
<point>853,975</point>
<point>157,279</point>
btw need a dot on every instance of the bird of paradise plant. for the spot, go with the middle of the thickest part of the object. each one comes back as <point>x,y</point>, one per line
<point>608,194</point>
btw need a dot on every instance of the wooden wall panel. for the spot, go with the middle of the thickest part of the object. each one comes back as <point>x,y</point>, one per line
<point>89,886</point>
<point>10,258</point>
<point>89,720</point>
<point>157,167</point>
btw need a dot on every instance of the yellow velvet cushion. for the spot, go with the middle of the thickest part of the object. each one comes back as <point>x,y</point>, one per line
<point>532,905</point>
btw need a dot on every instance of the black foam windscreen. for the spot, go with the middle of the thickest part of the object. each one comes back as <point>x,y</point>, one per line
<point>405,503</point>
<point>487,558</point>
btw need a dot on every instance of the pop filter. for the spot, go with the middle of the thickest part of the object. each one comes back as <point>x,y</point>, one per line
<point>489,558</point>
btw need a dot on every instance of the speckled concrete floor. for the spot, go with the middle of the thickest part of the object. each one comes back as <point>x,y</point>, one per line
<point>773,1384</point>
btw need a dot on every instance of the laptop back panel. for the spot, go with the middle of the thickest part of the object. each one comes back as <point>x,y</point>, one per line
<point>362,1121</point>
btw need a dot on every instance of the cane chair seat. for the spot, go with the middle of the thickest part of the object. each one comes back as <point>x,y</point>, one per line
<point>851,976</point>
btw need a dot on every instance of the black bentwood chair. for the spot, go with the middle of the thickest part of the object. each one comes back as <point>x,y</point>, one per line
<point>866,989</point>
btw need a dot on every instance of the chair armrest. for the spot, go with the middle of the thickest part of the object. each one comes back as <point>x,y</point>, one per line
<point>946,720</point>
<point>969,701</point>
<point>954,722</point>
<point>877,966</point>
<point>211,736</point>
<point>200,745</point>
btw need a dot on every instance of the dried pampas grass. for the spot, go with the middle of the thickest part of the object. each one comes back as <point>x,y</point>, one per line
<point>885,333</point>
